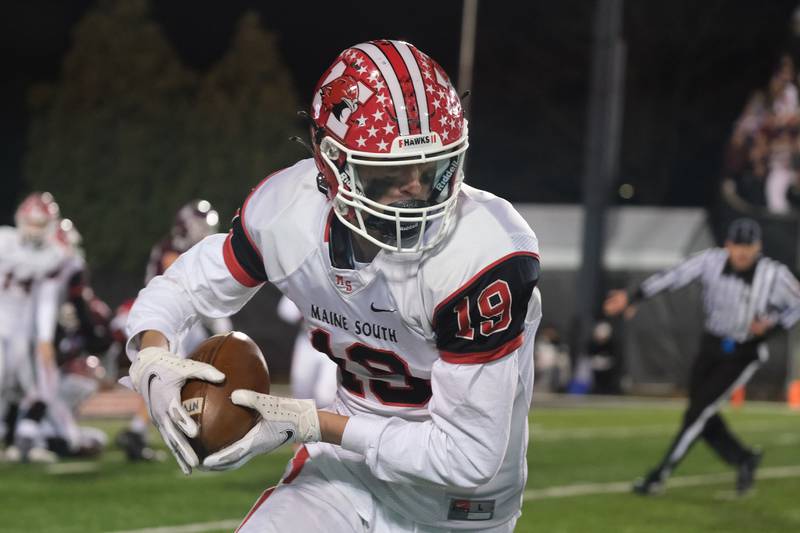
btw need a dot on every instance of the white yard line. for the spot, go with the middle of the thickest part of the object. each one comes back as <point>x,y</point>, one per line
<point>565,491</point>
<point>585,489</point>
<point>199,527</point>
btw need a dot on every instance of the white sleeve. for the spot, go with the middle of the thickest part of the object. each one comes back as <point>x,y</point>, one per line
<point>677,276</point>
<point>218,325</point>
<point>198,282</point>
<point>460,446</point>
<point>46,308</point>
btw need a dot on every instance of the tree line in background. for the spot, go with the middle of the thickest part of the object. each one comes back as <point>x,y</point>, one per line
<point>129,134</point>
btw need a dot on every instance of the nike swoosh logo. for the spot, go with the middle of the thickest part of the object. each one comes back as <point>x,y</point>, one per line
<point>289,435</point>
<point>149,383</point>
<point>150,409</point>
<point>379,310</point>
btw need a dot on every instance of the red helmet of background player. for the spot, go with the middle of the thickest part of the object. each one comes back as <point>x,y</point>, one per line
<point>387,104</point>
<point>193,222</point>
<point>37,216</point>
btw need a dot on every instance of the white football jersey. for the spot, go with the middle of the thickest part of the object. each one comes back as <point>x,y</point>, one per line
<point>23,269</point>
<point>434,350</point>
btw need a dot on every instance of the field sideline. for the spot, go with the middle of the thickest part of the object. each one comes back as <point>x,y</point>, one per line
<point>582,459</point>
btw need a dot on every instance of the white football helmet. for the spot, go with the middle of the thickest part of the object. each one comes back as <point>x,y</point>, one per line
<point>193,222</point>
<point>37,217</point>
<point>386,115</point>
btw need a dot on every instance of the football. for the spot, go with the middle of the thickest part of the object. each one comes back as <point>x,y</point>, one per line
<point>221,422</point>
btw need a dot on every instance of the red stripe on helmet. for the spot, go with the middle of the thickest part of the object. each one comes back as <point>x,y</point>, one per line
<point>406,85</point>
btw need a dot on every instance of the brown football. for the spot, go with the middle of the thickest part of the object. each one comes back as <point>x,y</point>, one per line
<point>221,421</point>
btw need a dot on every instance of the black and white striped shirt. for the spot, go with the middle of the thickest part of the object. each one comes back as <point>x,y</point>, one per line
<point>732,300</point>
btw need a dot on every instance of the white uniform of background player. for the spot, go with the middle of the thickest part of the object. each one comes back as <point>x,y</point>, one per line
<point>71,390</point>
<point>313,375</point>
<point>433,335</point>
<point>29,265</point>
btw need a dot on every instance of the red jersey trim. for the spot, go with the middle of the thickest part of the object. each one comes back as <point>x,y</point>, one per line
<point>298,461</point>
<point>477,358</point>
<point>261,499</point>
<point>327,236</point>
<point>234,267</point>
<point>458,291</point>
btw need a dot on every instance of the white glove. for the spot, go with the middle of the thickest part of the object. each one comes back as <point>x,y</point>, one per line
<point>282,420</point>
<point>158,375</point>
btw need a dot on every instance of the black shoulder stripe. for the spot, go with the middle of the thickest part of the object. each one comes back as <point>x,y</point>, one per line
<point>246,254</point>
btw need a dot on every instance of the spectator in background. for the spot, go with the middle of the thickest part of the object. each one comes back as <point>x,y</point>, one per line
<point>605,364</point>
<point>747,155</point>
<point>793,193</point>
<point>782,129</point>
<point>762,156</point>
<point>551,361</point>
<point>783,92</point>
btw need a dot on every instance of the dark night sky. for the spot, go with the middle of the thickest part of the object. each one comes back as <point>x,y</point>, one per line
<point>690,65</point>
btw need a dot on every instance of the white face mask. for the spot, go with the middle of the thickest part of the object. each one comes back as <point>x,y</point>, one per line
<point>402,204</point>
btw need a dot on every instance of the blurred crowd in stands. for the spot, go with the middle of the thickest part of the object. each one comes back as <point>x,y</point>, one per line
<point>763,156</point>
<point>598,371</point>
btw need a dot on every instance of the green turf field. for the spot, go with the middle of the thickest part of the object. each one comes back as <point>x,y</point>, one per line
<point>581,462</point>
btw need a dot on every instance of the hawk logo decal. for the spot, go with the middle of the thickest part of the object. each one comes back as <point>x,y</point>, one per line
<point>340,97</point>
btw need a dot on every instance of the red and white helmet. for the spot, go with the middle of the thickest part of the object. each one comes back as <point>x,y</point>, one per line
<point>37,217</point>
<point>193,222</point>
<point>387,104</point>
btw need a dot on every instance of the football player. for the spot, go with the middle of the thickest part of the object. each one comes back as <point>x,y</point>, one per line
<point>193,222</point>
<point>81,333</point>
<point>30,261</point>
<point>68,316</point>
<point>420,289</point>
<point>134,439</point>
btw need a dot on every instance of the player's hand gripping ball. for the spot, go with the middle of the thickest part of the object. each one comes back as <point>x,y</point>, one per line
<point>220,421</point>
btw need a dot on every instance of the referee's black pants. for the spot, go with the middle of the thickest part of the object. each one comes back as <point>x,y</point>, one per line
<point>715,374</point>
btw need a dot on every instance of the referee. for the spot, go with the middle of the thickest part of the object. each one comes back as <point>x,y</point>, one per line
<point>746,296</point>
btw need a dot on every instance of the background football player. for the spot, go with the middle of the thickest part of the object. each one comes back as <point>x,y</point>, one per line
<point>312,374</point>
<point>421,290</point>
<point>193,222</point>
<point>30,259</point>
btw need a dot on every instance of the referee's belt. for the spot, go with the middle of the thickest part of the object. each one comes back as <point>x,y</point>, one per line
<point>728,345</point>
